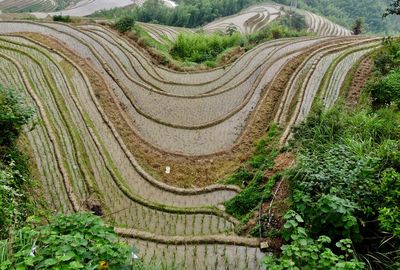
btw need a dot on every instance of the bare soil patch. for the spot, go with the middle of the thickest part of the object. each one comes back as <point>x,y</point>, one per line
<point>359,80</point>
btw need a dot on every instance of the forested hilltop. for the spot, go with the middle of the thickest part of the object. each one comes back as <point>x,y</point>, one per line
<point>194,13</point>
<point>345,12</point>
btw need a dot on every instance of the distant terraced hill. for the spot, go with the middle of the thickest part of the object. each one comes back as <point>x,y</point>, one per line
<point>249,21</point>
<point>111,120</point>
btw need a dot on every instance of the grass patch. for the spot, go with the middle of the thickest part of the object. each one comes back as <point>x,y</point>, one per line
<point>251,177</point>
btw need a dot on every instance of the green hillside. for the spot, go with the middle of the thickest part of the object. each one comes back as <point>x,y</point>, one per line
<point>344,12</point>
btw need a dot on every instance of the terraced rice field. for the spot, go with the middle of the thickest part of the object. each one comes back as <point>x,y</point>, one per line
<point>102,104</point>
<point>34,5</point>
<point>249,20</point>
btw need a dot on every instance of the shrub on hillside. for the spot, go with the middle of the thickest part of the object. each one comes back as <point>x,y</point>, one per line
<point>386,90</point>
<point>125,24</point>
<point>61,18</point>
<point>14,114</point>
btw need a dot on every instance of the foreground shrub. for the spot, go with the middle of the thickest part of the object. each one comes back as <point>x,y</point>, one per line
<point>77,241</point>
<point>345,183</point>
<point>305,253</point>
<point>15,205</point>
<point>389,214</point>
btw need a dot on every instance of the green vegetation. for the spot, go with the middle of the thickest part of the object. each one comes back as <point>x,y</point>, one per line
<point>192,13</point>
<point>394,8</point>
<point>200,48</point>
<point>358,27</point>
<point>250,176</point>
<point>211,50</point>
<point>305,253</point>
<point>124,25</point>
<point>346,182</point>
<point>61,18</point>
<point>78,241</point>
<point>346,12</point>
<point>15,205</point>
<point>384,85</point>
<point>189,13</point>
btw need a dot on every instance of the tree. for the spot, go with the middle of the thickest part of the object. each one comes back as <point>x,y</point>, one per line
<point>125,24</point>
<point>358,27</point>
<point>394,9</point>
<point>231,29</point>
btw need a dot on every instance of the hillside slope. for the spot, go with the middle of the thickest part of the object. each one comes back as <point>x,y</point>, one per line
<point>345,12</point>
<point>109,116</point>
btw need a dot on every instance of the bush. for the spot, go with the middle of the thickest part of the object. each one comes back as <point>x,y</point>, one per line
<point>305,253</point>
<point>14,114</point>
<point>77,241</point>
<point>60,18</point>
<point>15,206</point>
<point>125,24</point>
<point>389,214</point>
<point>386,90</point>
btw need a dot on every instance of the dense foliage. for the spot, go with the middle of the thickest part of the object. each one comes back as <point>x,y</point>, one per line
<point>384,85</point>
<point>15,204</point>
<point>346,12</point>
<point>394,8</point>
<point>346,182</point>
<point>78,241</point>
<point>14,114</point>
<point>61,18</point>
<point>305,253</point>
<point>194,13</point>
<point>201,47</point>
<point>124,24</point>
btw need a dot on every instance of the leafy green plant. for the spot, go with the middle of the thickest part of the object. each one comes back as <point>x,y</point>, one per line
<point>338,185</point>
<point>77,241</point>
<point>305,253</point>
<point>15,204</point>
<point>389,214</point>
